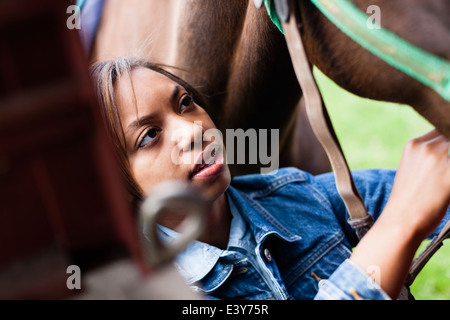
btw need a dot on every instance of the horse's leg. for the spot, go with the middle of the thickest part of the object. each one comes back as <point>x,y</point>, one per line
<point>434,108</point>
<point>147,29</point>
<point>423,23</point>
<point>306,150</point>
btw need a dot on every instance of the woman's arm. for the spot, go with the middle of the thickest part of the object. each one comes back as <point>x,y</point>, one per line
<point>419,200</point>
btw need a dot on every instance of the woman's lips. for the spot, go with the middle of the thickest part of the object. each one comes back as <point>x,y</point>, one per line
<point>210,170</point>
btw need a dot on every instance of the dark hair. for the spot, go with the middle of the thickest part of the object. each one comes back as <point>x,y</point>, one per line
<point>105,75</point>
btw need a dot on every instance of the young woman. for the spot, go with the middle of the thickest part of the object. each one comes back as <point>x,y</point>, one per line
<point>277,236</point>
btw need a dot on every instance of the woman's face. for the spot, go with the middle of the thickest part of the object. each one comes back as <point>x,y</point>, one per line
<point>166,135</point>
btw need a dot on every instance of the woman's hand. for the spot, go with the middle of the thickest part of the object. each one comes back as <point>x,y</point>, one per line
<point>421,192</point>
<point>419,200</point>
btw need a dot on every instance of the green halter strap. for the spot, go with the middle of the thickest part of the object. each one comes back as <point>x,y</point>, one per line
<point>272,11</point>
<point>425,67</point>
<point>80,3</point>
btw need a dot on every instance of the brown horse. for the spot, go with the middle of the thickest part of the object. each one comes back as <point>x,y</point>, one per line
<point>423,23</point>
<point>233,54</point>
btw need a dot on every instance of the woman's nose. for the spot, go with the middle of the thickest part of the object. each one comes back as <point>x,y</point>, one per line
<point>187,135</point>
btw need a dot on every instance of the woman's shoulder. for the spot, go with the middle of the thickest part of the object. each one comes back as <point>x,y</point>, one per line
<point>258,182</point>
<point>264,183</point>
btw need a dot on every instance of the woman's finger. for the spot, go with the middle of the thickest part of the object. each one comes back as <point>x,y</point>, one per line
<point>440,144</point>
<point>428,136</point>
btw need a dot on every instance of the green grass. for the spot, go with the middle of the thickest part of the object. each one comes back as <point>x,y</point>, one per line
<point>372,135</point>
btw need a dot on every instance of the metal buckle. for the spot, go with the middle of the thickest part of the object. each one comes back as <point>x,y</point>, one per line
<point>283,10</point>
<point>258,3</point>
<point>167,196</point>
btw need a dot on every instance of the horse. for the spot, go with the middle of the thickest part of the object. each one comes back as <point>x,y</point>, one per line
<point>424,24</point>
<point>238,59</point>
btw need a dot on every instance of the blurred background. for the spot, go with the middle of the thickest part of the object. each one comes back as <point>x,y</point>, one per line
<point>62,202</point>
<point>372,135</point>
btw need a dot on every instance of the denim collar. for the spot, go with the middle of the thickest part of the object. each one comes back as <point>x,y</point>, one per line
<point>261,222</point>
<point>199,258</point>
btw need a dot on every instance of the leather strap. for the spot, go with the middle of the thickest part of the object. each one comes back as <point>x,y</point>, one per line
<point>359,219</point>
<point>422,259</point>
<point>419,262</point>
<point>322,127</point>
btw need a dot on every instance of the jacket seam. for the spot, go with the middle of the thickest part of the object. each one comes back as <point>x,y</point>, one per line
<point>268,216</point>
<point>344,253</point>
<point>317,255</point>
<point>319,195</point>
<point>274,185</point>
<point>219,280</point>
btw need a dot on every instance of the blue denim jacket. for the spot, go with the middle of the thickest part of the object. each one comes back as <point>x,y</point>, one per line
<point>289,239</point>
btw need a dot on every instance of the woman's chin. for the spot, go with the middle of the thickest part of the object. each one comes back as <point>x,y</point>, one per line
<point>214,186</point>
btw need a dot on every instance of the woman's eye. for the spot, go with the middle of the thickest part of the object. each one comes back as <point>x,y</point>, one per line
<point>148,137</point>
<point>186,102</point>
